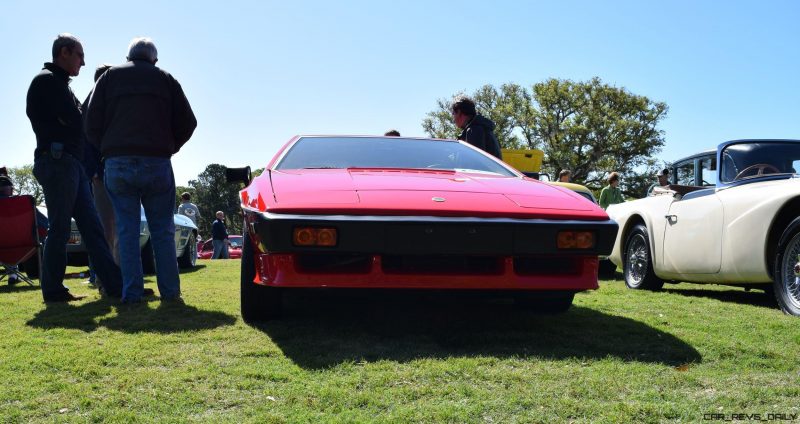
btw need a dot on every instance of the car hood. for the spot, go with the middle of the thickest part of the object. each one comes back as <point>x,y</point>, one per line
<point>422,192</point>
<point>178,219</point>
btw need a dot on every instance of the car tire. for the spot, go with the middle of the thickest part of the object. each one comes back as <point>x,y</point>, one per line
<point>638,261</point>
<point>545,302</point>
<point>148,259</point>
<point>189,257</point>
<point>786,284</point>
<point>258,303</point>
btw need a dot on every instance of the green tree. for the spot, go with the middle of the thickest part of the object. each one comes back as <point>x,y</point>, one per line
<point>25,182</point>
<point>213,193</point>
<point>588,127</point>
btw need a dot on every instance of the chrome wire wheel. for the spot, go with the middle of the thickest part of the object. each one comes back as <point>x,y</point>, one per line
<point>791,280</point>
<point>192,246</point>
<point>638,257</point>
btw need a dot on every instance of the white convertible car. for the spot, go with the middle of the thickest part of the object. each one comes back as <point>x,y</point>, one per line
<point>736,224</point>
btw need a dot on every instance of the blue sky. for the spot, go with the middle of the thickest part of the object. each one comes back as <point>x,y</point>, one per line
<point>257,73</point>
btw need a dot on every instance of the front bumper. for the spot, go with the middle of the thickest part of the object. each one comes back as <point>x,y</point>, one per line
<point>428,252</point>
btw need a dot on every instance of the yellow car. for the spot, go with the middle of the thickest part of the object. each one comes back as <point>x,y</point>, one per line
<point>577,188</point>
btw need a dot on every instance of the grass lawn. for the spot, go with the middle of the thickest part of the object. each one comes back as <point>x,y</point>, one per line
<point>617,356</point>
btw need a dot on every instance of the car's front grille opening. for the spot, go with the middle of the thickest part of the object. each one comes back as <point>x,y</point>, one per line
<point>543,265</point>
<point>333,263</point>
<point>442,264</point>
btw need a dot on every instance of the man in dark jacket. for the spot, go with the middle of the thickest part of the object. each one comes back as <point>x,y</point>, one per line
<point>477,130</point>
<point>55,115</point>
<point>219,237</point>
<point>138,117</point>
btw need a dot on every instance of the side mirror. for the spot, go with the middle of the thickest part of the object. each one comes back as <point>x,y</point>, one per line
<point>235,175</point>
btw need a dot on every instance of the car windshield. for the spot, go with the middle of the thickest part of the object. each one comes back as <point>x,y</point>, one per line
<point>757,159</point>
<point>387,152</point>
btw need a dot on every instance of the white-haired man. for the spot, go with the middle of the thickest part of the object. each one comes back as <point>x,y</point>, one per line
<point>138,117</point>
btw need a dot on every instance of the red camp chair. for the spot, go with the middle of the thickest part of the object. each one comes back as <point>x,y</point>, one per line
<point>18,236</point>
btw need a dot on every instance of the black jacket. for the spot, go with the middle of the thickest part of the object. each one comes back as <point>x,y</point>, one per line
<point>91,160</point>
<point>54,111</point>
<point>137,109</point>
<point>218,230</point>
<point>479,132</point>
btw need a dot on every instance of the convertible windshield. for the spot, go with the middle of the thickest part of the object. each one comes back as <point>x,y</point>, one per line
<point>757,159</point>
<point>388,152</point>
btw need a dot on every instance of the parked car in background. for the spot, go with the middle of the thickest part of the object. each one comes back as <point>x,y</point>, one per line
<point>400,213</point>
<point>185,244</point>
<point>731,216</point>
<point>577,188</point>
<point>206,248</point>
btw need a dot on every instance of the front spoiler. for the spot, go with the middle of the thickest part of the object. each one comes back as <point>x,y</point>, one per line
<point>421,235</point>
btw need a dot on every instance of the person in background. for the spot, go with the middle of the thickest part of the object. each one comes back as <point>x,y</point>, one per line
<point>219,237</point>
<point>564,176</point>
<point>663,181</point>
<point>477,130</point>
<point>392,133</point>
<point>94,170</point>
<point>55,116</point>
<point>611,194</point>
<point>93,165</point>
<point>6,186</point>
<point>187,208</point>
<point>138,117</point>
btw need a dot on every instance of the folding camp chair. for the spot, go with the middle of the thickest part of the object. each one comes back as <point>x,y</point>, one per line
<point>19,240</point>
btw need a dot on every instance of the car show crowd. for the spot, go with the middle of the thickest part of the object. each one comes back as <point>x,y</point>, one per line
<point>135,119</point>
<point>101,160</point>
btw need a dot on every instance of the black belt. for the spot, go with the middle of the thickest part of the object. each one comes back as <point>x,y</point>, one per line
<point>47,153</point>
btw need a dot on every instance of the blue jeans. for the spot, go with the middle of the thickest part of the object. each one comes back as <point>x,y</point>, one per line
<point>220,249</point>
<point>67,195</point>
<point>133,182</point>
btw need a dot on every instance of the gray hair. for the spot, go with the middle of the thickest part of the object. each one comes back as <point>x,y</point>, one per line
<point>143,48</point>
<point>64,40</point>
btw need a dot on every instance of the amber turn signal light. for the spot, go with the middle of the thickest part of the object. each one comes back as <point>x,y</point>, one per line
<point>309,236</point>
<point>575,240</point>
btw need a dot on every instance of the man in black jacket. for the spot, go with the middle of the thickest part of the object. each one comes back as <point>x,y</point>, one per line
<point>138,117</point>
<point>55,115</point>
<point>477,130</point>
<point>219,236</point>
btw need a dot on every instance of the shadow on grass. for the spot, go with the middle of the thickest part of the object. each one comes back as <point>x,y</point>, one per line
<point>192,270</point>
<point>734,295</point>
<point>320,332</point>
<point>146,317</point>
<point>19,287</point>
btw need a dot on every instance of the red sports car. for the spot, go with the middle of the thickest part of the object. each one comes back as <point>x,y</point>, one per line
<point>392,212</point>
<point>206,248</point>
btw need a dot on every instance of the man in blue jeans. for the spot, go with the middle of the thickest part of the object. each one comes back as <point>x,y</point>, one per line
<point>55,115</point>
<point>219,237</point>
<point>138,117</point>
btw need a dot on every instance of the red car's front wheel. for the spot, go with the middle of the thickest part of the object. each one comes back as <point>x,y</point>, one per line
<point>258,303</point>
